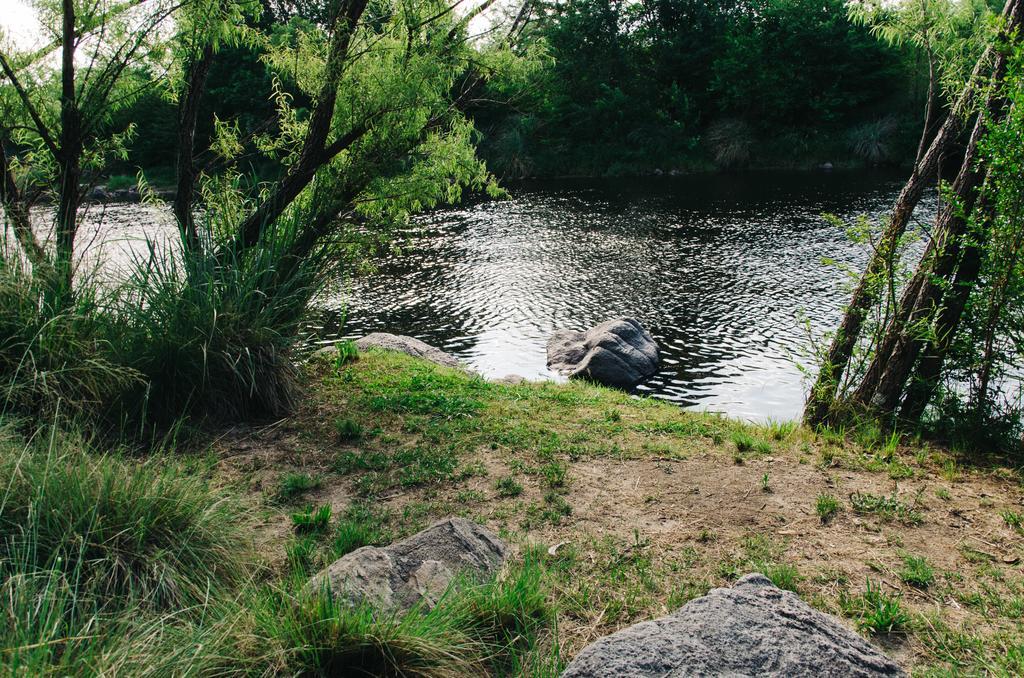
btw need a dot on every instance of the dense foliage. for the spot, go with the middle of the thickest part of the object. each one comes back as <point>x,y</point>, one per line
<point>667,84</point>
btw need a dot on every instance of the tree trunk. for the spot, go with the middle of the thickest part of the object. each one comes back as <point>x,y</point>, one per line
<point>69,159</point>
<point>823,393</point>
<point>921,390</point>
<point>315,151</point>
<point>188,117</point>
<point>939,264</point>
<point>821,398</point>
<point>18,212</point>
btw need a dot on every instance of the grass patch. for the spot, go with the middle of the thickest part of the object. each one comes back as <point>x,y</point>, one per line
<point>347,430</point>
<point>508,487</point>
<point>293,486</point>
<point>917,571</point>
<point>474,629</point>
<point>827,507</point>
<point>361,525</point>
<point>885,508</point>
<point>875,611</point>
<point>312,520</point>
<point>760,554</point>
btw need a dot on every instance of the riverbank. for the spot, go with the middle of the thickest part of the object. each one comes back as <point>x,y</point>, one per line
<point>635,506</point>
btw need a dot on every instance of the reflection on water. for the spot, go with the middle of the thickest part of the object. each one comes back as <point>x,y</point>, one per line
<point>726,272</point>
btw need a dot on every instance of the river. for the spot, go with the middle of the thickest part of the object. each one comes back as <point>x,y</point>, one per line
<point>728,272</point>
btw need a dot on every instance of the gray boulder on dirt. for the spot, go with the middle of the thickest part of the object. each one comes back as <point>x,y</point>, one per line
<point>410,346</point>
<point>617,352</point>
<point>396,577</point>
<point>751,629</point>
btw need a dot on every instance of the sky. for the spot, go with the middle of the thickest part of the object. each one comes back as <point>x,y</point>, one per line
<point>18,22</point>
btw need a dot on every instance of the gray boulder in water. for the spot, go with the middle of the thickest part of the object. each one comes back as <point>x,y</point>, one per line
<point>409,346</point>
<point>752,629</point>
<point>618,353</point>
<point>421,567</point>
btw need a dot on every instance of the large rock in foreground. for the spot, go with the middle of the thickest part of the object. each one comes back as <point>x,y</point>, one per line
<point>409,346</point>
<point>618,353</point>
<point>396,577</point>
<point>752,629</point>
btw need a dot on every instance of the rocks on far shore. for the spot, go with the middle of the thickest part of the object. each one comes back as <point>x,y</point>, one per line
<point>421,567</point>
<point>751,629</point>
<point>101,194</point>
<point>410,346</point>
<point>619,353</point>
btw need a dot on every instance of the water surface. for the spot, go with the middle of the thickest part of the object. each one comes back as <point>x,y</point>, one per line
<point>727,272</point>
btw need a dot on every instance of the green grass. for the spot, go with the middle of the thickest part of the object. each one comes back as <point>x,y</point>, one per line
<point>508,487</point>
<point>875,611</point>
<point>827,507</point>
<point>312,520</point>
<point>474,629</point>
<point>761,554</point>
<point>780,430</point>
<point>917,571</point>
<point>745,442</point>
<point>107,563</point>
<point>348,430</point>
<point>886,508</point>
<point>293,486</point>
<point>361,525</point>
<point>1013,519</point>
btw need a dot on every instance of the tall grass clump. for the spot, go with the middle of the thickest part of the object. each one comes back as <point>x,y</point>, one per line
<point>214,330</point>
<point>55,353</point>
<point>110,566</point>
<point>474,629</point>
<point>128,531</point>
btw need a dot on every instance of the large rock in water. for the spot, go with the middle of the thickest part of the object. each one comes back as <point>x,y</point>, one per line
<point>618,353</point>
<point>396,577</point>
<point>752,629</point>
<point>409,346</point>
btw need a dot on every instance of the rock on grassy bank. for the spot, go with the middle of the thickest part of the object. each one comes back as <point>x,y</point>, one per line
<point>635,507</point>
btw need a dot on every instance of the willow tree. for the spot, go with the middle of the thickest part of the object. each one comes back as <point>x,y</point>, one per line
<point>60,98</point>
<point>931,303</point>
<point>370,127</point>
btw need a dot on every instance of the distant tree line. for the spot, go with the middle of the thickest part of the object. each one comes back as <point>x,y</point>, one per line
<point>633,87</point>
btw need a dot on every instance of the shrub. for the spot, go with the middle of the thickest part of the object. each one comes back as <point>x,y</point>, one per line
<point>214,330</point>
<point>730,141</point>
<point>872,141</point>
<point>55,354</point>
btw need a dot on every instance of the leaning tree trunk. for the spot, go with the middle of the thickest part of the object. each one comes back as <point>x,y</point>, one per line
<point>821,399</point>
<point>933,357</point>
<point>938,268</point>
<point>823,394</point>
<point>188,117</point>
